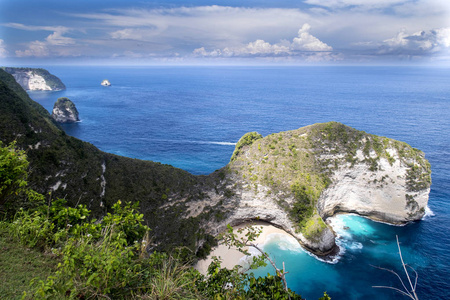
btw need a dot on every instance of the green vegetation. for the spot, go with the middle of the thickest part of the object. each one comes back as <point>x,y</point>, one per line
<point>246,140</point>
<point>13,165</point>
<point>313,228</point>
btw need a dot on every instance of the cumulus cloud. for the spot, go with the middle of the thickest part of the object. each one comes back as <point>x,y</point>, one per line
<point>304,45</point>
<point>421,43</point>
<point>307,42</point>
<point>3,51</point>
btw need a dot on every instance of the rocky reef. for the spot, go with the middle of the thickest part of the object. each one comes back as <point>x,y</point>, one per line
<point>32,79</point>
<point>64,111</point>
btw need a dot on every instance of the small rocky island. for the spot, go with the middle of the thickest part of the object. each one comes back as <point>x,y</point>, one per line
<point>32,79</point>
<point>64,111</point>
<point>106,82</point>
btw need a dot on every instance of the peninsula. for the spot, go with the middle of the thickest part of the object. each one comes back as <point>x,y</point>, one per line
<point>293,180</point>
<point>32,79</point>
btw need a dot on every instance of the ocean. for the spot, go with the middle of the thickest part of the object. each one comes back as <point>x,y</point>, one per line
<point>191,117</point>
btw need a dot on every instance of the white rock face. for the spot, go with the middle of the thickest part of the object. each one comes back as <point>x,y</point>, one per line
<point>31,81</point>
<point>381,194</point>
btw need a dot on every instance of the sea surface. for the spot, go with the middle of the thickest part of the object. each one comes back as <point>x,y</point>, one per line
<point>191,117</point>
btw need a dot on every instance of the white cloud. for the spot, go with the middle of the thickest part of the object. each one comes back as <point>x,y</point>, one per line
<point>305,46</point>
<point>307,42</point>
<point>57,38</point>
<point>3,51</point>
<point>36,48</point>
<point>421,43</point>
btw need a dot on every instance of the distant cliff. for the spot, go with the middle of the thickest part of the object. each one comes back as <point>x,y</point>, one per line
<point>293,179</point>
<point>36,79</point>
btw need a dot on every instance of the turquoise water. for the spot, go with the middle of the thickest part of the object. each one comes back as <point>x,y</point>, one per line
<point>190,117</point>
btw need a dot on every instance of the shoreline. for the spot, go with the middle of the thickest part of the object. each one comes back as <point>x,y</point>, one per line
<point>231,257</point>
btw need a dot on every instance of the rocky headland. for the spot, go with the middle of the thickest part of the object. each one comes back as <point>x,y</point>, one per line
<point>64,111</point>
<point>295,180</point>
<point>36,79</point>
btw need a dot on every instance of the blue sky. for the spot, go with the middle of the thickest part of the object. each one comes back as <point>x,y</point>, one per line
<point>225,32</point>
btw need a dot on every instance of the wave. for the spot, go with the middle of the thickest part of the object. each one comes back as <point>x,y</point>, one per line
<point>216,143</point>
<point>428,213</point>
<point>189,142</point>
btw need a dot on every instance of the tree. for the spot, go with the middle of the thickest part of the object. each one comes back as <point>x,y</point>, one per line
<point>13,171</point>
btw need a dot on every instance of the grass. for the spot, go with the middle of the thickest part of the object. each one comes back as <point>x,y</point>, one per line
<point>19,265</point>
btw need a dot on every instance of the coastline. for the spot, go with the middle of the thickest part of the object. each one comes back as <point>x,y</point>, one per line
<point>231,257</point>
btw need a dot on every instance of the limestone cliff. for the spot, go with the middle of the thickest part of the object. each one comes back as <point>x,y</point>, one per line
<point>36,79</point>
<point>296,179</point>
<point>64,111</point>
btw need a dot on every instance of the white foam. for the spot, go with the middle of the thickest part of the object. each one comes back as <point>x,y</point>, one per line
<point>221,143</point>
<point>428,213</point>
<point>283,241</point>
<point>355,246</point>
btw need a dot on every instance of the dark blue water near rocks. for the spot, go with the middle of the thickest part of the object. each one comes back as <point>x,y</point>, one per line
<point>190,117</point>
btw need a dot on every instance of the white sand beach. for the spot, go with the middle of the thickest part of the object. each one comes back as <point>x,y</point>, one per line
<point>232,257</point>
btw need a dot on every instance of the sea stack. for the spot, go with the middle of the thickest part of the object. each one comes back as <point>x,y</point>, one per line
<point>64,111</point>
<point>106,82</point>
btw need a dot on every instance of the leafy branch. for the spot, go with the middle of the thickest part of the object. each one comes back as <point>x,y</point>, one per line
<point>241,240</point>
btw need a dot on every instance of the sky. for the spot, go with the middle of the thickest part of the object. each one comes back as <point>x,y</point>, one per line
<point>139,32</point>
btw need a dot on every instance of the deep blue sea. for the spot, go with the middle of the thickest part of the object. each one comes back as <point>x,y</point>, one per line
<point>190,117</point>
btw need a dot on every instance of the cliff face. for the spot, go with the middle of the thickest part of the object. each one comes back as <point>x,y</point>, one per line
<point>36,79</point>
<point>64,111</point>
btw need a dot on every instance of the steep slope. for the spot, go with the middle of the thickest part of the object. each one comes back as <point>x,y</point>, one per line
<point>79,172</point>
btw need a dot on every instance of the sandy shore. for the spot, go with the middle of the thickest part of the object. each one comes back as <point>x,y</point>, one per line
<point>232,257</point>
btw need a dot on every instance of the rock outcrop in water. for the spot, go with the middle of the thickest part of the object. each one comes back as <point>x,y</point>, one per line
<point>32,79</point>
<point>64,111</point>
